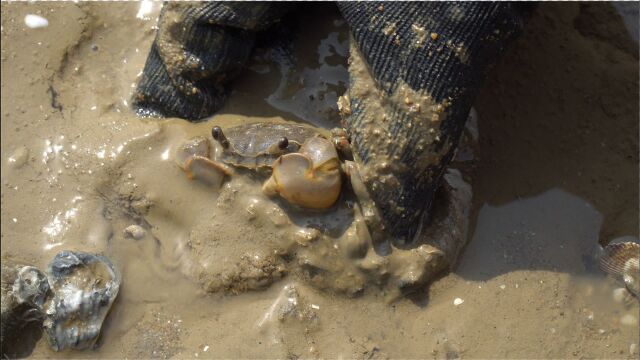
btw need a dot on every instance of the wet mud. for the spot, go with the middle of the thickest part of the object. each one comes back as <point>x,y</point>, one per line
<point>231,272</point>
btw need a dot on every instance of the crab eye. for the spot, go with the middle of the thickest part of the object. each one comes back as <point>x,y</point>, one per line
<point>283,143</point>
<point>217,134</point>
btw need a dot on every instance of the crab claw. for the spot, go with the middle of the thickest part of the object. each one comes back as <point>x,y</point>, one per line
<point>197,146</point>
<point>205,170</point>
<point>310,178</point>
<point>319,150</point>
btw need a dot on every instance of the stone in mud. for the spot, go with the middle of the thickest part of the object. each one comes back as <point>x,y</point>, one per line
<point>305,236</point>
<point>135,231</point>
<point>84,287</point>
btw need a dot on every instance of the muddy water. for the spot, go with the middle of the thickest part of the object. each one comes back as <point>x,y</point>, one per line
<point>555,174</point>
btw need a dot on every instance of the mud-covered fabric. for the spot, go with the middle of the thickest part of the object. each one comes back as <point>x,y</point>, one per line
<point>439,49</point>
<point>199,48</point>
<point>442,49</point>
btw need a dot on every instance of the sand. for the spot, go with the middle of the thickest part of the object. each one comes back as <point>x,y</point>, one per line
<point>555,175</point>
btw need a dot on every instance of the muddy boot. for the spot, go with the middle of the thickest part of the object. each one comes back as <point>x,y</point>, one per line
<point>414,71</point>
<point>197,51</point>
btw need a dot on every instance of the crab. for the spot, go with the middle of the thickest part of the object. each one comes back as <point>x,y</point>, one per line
<point>258,145</point>
<point>304,165</point>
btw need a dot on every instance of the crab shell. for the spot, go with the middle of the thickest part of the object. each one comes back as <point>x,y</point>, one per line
<point>310,178</point>
<point>255,146</point>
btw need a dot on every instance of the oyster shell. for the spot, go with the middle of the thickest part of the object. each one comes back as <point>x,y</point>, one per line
<point>84,287</point>
<point>621,260</point>
<point>31,286</point>
<point>24,289</point>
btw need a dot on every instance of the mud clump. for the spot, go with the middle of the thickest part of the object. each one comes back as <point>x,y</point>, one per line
<point>251,272</point>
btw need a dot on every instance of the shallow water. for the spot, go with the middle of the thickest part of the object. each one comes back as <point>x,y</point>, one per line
<point>555,175</point>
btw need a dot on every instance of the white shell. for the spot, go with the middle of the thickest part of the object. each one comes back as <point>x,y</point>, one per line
<point>622,261</point>
<point>35,21</point>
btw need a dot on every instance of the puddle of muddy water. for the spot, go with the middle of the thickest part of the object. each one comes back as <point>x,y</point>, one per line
<point>554,231</point>
<point>555,174</point>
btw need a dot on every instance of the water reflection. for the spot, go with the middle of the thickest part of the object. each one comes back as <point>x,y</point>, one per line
<point>554,231</point>
<point>316,100</point>
<point>60,223</point>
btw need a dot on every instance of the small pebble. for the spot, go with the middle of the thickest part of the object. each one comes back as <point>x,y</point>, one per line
<point>503,287</point>
<point>135,231</point>
<point>35,21</point>
<point>457,301</point>
<point>305,236</point>
<point>633,349</point>
<point>205,348</point>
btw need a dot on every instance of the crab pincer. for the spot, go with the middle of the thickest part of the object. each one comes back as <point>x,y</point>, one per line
<point>310,178</point>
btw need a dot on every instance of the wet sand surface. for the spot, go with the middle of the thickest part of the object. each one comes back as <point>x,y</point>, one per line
<point>555,175</point>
